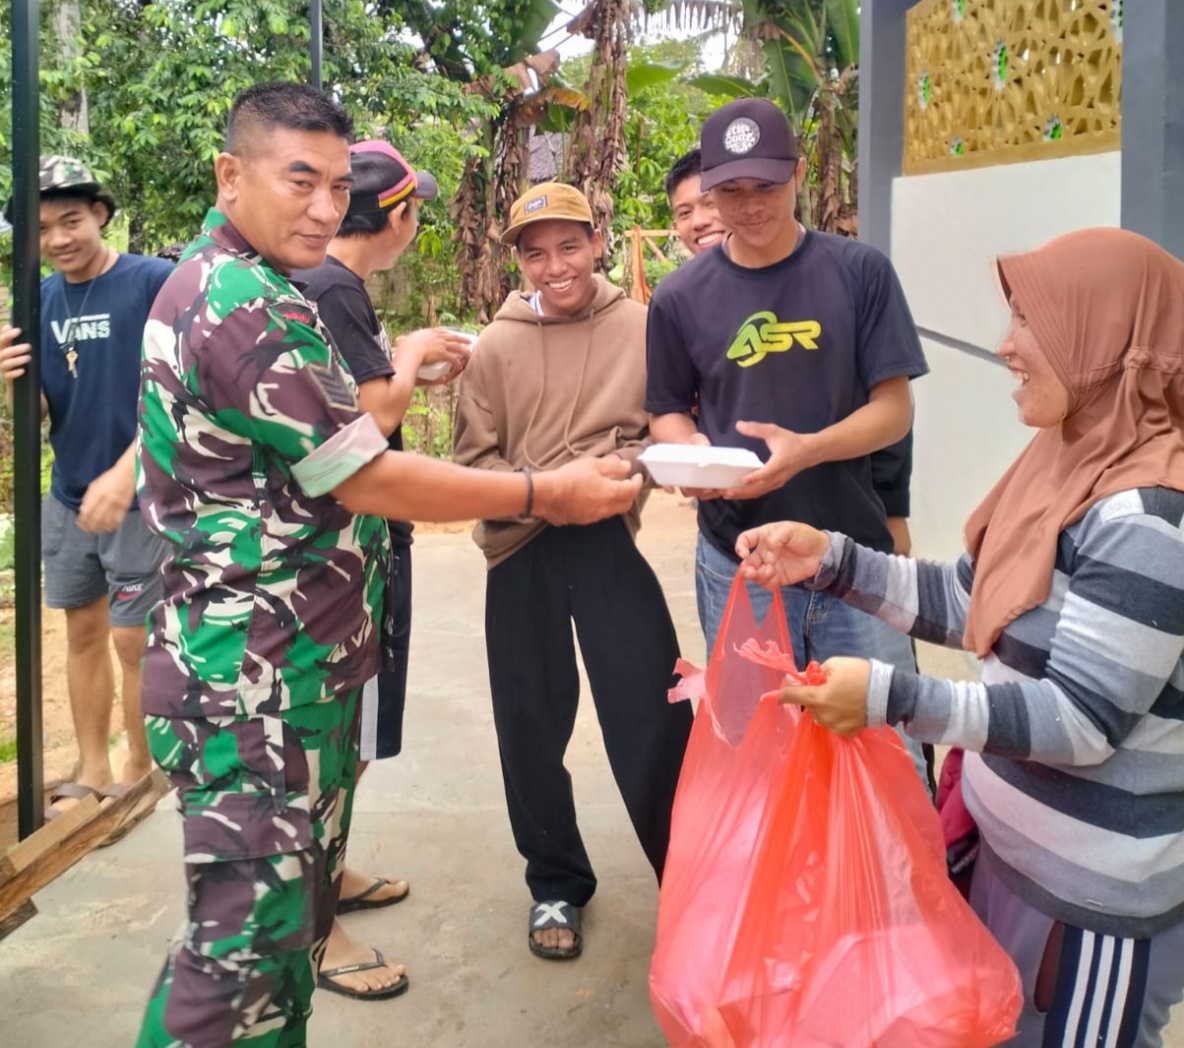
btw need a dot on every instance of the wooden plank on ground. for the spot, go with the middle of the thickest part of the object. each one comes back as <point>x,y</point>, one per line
<point>47,854</point>
<point>18,917</point>
<point>8,813</point>
<point>22,855</point>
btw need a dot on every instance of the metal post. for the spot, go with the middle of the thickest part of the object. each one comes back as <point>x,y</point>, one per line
<point>26,315</point>
<point>882,34</point>
<point>318,38</point>
<point>1153,123</point>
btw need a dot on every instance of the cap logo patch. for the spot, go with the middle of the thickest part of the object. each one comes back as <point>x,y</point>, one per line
<point>537,204</point>
<point>741,136</point>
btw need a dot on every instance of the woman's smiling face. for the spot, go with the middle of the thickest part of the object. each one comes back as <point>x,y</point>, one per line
<point>1042,398</point>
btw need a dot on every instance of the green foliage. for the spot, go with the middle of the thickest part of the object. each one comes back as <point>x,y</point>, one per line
<point>665,111</point>
<point>7,543</point>
<point>427,425</point>
<point>7,533</point>
<point>160,77</point>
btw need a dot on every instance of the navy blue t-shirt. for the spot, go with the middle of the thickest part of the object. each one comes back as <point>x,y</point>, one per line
<point>92,414</point>
<point>801,344</point>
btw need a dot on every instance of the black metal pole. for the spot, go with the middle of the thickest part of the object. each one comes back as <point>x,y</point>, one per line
<point>26,315</point>
<point>318,38</point>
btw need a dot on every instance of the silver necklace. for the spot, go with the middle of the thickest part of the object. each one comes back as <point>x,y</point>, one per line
<point>67,347</point>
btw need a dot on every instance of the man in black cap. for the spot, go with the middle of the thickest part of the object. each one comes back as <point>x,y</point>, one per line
<point>379,226</point>
<point>798,345</point>
<point>101,561</point>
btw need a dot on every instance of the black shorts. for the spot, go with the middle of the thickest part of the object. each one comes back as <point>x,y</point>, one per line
<point>384,696</point>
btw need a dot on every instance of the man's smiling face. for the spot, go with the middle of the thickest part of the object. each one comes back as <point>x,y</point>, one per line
<point>558,256</point>
<point>696,218</point>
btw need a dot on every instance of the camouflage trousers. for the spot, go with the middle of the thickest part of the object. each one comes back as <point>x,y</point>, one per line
<point>265,807</point>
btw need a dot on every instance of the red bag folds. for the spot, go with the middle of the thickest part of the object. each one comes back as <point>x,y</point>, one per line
<point>805,901</point>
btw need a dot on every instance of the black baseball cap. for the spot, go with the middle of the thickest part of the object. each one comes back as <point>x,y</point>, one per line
<point>747,138</point>
<point>382,178</point>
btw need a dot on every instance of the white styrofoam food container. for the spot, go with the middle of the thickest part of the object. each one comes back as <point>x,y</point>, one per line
<point>696,466</point>
<point>431,372</point>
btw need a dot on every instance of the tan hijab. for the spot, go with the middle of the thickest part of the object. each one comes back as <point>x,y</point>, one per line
<point>1106,306</point>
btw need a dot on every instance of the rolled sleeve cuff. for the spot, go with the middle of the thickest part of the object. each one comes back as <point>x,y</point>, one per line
<point>828,567</point>
<point>340,457</point>
<point>878,686</point>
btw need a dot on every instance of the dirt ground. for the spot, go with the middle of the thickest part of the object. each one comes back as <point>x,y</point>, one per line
<point>57,728</point>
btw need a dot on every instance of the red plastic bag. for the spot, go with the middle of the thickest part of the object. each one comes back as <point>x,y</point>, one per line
<point>805,901</point>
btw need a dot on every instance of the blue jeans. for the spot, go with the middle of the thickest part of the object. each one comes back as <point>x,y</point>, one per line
<point>819,625</point>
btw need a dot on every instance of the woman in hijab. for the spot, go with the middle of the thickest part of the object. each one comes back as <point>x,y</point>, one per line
<point>1072,594</point>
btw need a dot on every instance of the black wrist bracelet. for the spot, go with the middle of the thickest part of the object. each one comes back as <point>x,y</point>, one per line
<point>528,512</point>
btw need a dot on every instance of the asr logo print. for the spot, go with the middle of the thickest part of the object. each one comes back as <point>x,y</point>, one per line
<point>763,333</point>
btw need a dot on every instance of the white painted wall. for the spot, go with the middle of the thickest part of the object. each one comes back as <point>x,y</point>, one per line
<point>946,231</point>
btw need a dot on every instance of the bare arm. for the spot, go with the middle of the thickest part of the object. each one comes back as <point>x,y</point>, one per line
<point>677,428</point>
<point>387,399</point>
<point>412,487</point>
<point>109,496</point>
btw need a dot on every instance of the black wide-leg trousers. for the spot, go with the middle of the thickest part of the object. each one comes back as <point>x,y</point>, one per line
<point>595,576</point>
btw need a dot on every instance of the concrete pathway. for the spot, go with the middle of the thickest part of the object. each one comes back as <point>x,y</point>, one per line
<point>79,973</point>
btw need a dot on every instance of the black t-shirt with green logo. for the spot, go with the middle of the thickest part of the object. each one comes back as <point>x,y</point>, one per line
<point>801,344</point>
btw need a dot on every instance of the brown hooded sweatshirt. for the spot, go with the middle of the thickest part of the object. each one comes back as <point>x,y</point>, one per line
<point>541,391</point>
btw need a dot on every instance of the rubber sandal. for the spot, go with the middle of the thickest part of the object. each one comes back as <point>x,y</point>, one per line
<point>111,793</point>
<point>70,791</point>
<point>362,900</point>
<point>557,914</point>
<point>325,981</point>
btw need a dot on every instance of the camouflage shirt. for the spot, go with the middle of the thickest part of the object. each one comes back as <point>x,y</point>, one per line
<point>272,589</point>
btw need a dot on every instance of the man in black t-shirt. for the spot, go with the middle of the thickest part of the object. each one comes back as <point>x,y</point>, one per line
<point>698,225</point>
<point>798,345</point>
<point>378,227</point>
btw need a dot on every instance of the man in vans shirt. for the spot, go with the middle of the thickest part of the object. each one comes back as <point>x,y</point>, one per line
<point>698,225</point>
<point>559,375</point>
<point>798,345</point>
<point>101,561</point>
<point>379,225</point>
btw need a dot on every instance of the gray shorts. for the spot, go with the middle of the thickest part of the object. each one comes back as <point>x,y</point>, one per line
<point>80,568</point>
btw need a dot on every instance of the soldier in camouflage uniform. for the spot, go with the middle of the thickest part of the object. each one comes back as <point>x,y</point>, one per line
<point>271,485</point>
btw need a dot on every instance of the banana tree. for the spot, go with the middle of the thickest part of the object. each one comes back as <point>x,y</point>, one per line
<point>597,152</point>
<point>493,51</point>
<point>810,52</point>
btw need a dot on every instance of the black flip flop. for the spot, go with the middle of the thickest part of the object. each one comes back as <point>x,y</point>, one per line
<point>362,900</point>
<point>70,791</point>
<point>326,976</point>
<point>555,914</point>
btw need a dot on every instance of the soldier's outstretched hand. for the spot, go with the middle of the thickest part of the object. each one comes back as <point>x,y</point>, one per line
<point>585,491</point>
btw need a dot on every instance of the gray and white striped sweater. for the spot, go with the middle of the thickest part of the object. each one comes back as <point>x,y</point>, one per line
<point>1076,778</point>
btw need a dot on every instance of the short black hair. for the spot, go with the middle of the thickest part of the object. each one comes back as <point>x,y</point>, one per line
<point>366,223</point>
<point>683,168</point>
<point>297,107</point>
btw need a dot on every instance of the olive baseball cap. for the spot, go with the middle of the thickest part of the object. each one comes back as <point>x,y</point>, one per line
<point>383,178</point>
<point>546,200</point>
<point>62,175</point>
<point>747,138</point>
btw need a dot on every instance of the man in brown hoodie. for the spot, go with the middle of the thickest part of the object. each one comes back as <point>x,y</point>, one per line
<point>558,375</point>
